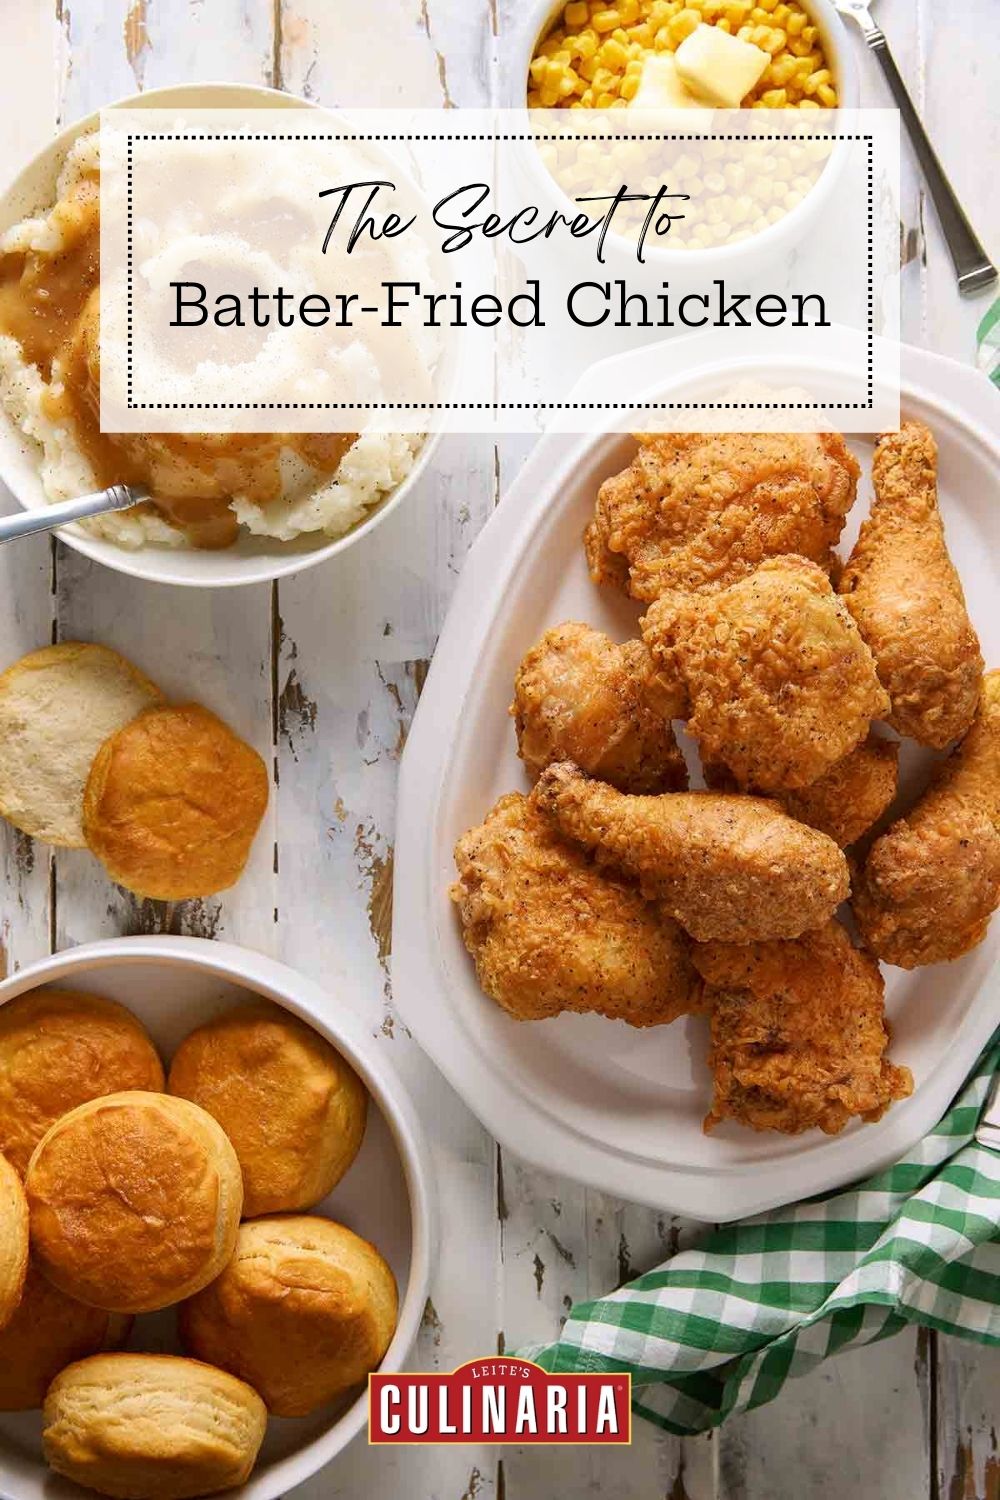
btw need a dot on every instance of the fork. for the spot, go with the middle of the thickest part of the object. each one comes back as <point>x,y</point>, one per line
<point>973,267</point>
<point>45,518</point>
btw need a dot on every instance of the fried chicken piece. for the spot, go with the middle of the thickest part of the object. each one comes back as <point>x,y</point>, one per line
<point>846,800</point>
<point>734,868</point>
<point>579,697</point>
<point>932,881</point>
<point>902,589</point>
<point>701,510</point>
<point>550,932</point>
<point>798,1034</point>
<point>780,684</point>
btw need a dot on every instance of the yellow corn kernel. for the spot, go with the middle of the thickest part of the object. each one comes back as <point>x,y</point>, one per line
<point>630,87</point>
<point>577,13</point>
<point>613,55</point>
<point>588,43</point>
<point>774,98</point>
<point>629,11</point>
<point>534,99</point>
<point>723,24</point>
<point>588,68</point>
<point>808,104</point>
<point>538,69</point>
<point>682,25</point>
<point>795,23</point>
<point>826,95</point>
<point>604,101</point>
<point>548,94</point>
<point>605,20</point>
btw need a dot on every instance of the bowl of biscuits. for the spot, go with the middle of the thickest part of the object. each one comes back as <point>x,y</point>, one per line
<point>215,1222</point>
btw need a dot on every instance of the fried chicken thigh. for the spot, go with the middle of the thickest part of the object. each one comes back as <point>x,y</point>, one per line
<point>932,881</point>
<point>902,589</point>
<point>701,510</point>
<point>798,1034</point>
<point>578,696</point>
<point>734,868</point>
<point>780,684</point>
<point>550,932</point>
<point>846,800</point>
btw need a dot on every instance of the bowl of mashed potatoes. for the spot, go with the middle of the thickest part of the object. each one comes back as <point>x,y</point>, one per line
<point>225,508</point>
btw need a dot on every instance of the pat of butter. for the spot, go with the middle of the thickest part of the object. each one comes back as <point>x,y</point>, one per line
<point>719,68</point>
<point>660,87</point>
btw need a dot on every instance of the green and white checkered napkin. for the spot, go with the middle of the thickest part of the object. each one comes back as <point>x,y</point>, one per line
<point>720,1329</point>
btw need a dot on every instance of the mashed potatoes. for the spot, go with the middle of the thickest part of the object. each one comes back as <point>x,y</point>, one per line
<point>205,488</point>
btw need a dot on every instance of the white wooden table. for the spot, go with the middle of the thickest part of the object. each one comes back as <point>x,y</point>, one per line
<point>323,673</point>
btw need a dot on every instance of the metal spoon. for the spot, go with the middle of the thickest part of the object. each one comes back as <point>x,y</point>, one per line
<point>116,497</point>
<point>973,267</point>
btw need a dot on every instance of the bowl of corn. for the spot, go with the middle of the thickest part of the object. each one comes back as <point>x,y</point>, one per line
<point>592,55</point>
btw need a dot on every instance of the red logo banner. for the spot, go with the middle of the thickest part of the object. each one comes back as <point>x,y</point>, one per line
<point>498,1400</point>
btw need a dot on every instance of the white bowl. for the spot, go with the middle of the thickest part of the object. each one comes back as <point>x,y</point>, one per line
<point>752,253</point>
<point>173,984</point>
<point>249,559</point>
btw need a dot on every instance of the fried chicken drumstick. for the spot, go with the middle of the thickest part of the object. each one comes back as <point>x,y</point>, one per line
<point>902,589</point>
<point>550,932</point>
<point>798,1033</point>
<point>734,868</point>
<point>780,684</point>
<point>701,510</point>
<point>578,696</point>
<point>932,881</point>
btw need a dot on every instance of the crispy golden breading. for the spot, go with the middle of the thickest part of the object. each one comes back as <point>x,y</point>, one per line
<point>847,800</point>
<point>932,881</point>
<point>578,696</point>
<point>781,686</point>
<point>700,510</point>
<point>550,932</point>
<point>798,1034</point>
<point>902,589</point>
<point>734,868</point>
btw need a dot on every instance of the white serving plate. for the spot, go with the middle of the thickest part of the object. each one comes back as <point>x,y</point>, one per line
<point>611,1106</point>
<point>251,559</point>
<point>174,984</point>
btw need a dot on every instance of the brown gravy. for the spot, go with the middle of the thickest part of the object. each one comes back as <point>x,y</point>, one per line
<point>50,304</point>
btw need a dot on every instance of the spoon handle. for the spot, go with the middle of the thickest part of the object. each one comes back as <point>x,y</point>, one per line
<point>23,523</point>
<point>972,265</point>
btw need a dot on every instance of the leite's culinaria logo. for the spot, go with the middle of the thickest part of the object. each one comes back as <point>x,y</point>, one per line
<point>499,1400</point>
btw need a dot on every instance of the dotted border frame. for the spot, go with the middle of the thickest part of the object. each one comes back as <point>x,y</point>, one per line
<point>493,405</point>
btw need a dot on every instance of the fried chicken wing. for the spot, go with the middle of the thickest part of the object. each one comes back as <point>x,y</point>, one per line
<point>578,696</point>
<point>846,800</point>
<point>932,881</point>
<point>735,868</point>
<point>780,684</point>
<point>902,589</point>
<point>798,1033</point>
<point>550,932</point>
<point>700,510</point>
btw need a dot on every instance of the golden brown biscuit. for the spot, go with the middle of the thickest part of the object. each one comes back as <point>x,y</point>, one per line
<point>172,804</point>
<point>293,1108</point>
<point>47,1332</point>
<point>13,1241</point>
<point>57,707</point>
<point>151,1427</point>
<point>59,1048</point>
<point>303,1311</point>
<point>135,1201</point>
